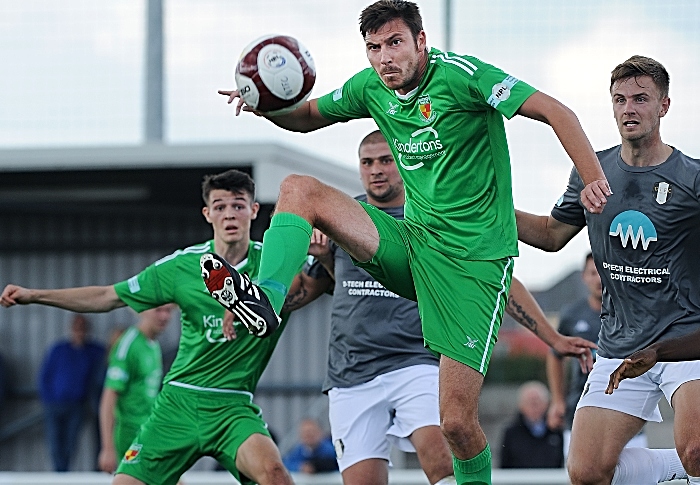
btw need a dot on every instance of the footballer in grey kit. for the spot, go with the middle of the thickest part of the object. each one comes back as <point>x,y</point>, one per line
<point>645,242</point>
<point>373,330</point>
<point>644,245</point>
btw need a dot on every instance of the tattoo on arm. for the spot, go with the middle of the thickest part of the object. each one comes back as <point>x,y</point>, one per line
<point>521,316</point>
<point>293,300</point>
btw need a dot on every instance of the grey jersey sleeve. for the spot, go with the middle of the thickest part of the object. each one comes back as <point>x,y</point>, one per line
<point>568,208</point>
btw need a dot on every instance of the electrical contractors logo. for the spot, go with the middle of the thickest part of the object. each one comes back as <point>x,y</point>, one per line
<point>633,227</point>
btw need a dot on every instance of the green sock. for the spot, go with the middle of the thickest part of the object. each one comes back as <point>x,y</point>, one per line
<point>285,248</point>
<point>474,471</point>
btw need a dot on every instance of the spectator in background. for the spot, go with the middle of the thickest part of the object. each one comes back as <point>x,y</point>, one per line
<point>528,442</point>
<point>68,374</point>
<point>579,319</point>
<point>314,453</point>
<point>133,380</point>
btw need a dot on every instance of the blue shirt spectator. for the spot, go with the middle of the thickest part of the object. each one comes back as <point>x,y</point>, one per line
<point>68,378</point>
<point>314,453</point>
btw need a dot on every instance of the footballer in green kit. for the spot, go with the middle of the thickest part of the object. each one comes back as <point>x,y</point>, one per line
<point>205,407</point>
<point>134,377</point>
<point>442,115</point>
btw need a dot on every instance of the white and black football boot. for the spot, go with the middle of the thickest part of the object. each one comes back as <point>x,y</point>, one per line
<point>239,295</point>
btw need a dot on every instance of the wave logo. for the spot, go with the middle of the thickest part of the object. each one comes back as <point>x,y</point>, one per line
<point>635,227</point>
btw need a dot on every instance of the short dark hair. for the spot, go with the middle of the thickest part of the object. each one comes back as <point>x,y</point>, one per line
<point>637,66</point>
<point>375,137</point>
<point>380,13</point>
<point>232,180</point>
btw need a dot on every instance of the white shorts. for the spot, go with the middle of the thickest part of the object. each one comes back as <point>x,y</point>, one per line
<point>639,396</point>
<point>368,418</point>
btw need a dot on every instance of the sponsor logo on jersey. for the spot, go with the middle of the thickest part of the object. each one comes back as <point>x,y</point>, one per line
<point>635,227</point>
<point>367,288</point>
<point>662,192</point>
<point>501,91</point>
<point>471,343</point>
<point>560,201</point>
<point>424,144</point>
<point>393,108</point>
<point>425,106</point>
<point>214,329</point>
<point>132,454</point>
<point>337,94</point>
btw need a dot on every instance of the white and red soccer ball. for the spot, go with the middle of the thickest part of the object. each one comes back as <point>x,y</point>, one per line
<point>275,74</point>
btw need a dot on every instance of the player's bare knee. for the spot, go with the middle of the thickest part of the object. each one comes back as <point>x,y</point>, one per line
<point>274,473</point>
<point>690,457</point>
<point>459,432</point>
<point>299,188</point>
<point>590,474</point>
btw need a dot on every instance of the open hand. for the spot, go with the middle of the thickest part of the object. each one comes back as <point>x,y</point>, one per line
<point>577,347</point>
<point>633,366</point>
<point>240,106</point>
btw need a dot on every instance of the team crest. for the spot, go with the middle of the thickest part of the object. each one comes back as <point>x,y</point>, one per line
<point>662,192</point>
<point>132,454</point>
<point>426,108</point>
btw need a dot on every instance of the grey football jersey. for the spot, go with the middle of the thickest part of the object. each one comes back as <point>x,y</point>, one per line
<point>373,331</point>
<point>645,245</point>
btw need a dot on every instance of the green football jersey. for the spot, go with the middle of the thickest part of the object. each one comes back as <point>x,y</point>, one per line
<point>449,142</point>
<point>135,372</point>
<point>205,359</point>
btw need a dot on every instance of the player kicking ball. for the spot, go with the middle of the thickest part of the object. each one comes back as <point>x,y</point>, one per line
<point>442,114</point>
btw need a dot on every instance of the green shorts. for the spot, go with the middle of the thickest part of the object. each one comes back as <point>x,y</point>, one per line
<point>461,302</point>
<point>124,434</point>
<point>187,424</point>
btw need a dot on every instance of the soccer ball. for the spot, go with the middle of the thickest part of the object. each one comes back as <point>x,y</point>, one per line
<point>275,74</point>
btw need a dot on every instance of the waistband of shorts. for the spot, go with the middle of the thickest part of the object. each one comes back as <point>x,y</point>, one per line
<point>208,392</point>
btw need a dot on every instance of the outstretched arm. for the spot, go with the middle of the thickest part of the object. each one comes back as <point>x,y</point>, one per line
<point>523,307</point>
<point>544,232</point>
<point>85,299</point>
<point>566,126</point>
<point>676,349</point>
<point>304,119</point>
